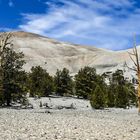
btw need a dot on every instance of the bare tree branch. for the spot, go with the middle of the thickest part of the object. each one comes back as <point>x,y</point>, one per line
<point>130,68</point>
<point>136,52</point>
<point>133,60</point>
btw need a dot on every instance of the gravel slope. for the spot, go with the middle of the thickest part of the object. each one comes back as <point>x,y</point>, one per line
<point>78,124</point>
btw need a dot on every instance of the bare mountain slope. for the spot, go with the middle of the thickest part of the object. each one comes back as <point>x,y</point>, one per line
<point>38,50</point>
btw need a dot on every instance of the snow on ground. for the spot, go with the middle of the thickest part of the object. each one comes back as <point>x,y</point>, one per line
<point>81,123</point>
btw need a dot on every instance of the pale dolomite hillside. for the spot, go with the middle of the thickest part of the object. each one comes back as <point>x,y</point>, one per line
<point>39,49</point>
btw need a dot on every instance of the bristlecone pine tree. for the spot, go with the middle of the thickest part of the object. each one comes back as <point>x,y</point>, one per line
<point>135,59</point>
<point>97,100</point>
<point>121,92</point>
<point>85,82</point>
<point>11,73</point>
<point>63,83</point>
<point>40,82</point>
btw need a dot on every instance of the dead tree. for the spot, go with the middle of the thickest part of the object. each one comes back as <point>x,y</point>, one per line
<point>134,56</point>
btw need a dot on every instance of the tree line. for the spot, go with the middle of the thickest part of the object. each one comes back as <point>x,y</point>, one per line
<point>15,82</point>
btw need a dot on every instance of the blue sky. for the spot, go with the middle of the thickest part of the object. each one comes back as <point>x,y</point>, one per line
<point>108,24</point>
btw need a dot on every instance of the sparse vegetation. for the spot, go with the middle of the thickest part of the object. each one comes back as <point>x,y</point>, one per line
<point>119,93</point>
<point>63,83</point>
<point>97,100</point>
<point>12,77</point>
<point>87,84</point>
<point>40,82</point>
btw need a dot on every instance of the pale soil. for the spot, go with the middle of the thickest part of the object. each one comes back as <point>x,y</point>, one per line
<point>82,123</point>
<point>38,50</point>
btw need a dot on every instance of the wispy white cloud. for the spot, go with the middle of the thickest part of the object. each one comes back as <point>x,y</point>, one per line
<point>108,24</point>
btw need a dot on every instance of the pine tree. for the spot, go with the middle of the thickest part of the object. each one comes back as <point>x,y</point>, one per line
<point>40,82</point>
<point>63,83</point>
<point>85,82</point>
<point>58,83</point>
<point>132,93</point>
<point>11,64</point>
<point>122,99</point>
<point>121,92</point>
<point>111,96</point>
<point>97,100</point>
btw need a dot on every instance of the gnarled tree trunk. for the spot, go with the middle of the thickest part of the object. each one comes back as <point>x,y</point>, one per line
<point>135,58</point>
<point>138,94</point>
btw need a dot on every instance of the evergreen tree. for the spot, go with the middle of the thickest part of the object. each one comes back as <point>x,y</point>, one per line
<point>11,73</point>
<point>121,99</point>
<point>58,83</point>
<point>63,83</point>
<point>40,82</point>
<point>121,92</point>
<point>97,100</point>
<point>111,96</point>
<point>132,93</point>
<point>85,82</point>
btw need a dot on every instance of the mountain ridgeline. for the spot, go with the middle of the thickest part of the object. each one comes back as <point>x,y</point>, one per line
<point>103,90</point>
<point>52,55</point>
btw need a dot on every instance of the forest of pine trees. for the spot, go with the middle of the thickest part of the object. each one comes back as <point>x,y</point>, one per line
<point>15,83</point>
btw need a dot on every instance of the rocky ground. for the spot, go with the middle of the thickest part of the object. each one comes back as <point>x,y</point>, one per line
<point>81,123</point>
